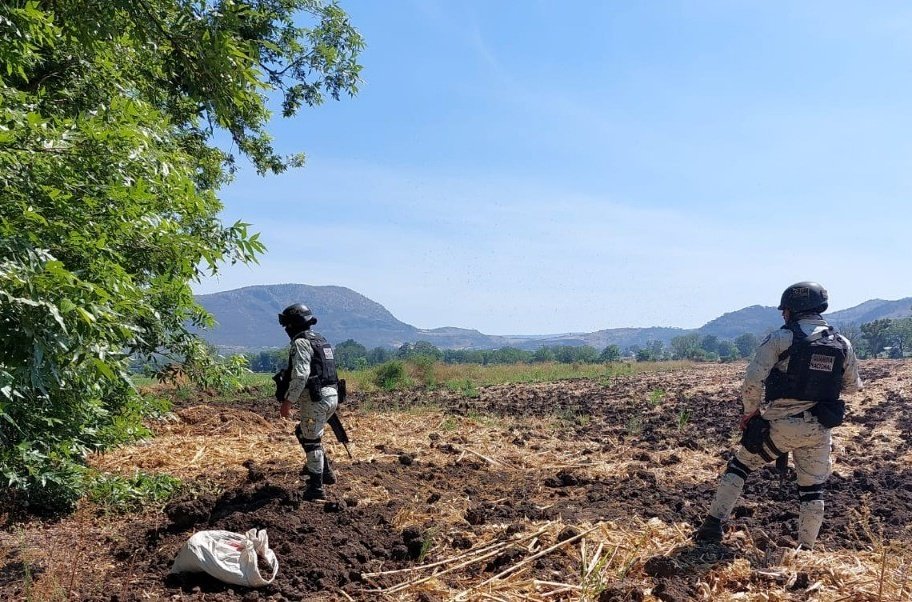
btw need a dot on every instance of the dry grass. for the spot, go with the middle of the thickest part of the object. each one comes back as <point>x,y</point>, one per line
<point>605,551</point>
<point>206,441</point>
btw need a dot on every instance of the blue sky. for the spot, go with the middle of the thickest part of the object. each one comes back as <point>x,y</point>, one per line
<point>542,167</point>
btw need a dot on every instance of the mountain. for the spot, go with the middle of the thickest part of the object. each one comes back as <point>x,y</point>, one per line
<point>246,320</point>
<point>247,317</point>
<point>759,320</point>
<point>875,309</point>
<point>755,319</point>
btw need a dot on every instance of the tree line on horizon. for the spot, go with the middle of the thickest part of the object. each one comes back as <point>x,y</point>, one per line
<point>891,338</point>
<point>351,355</point>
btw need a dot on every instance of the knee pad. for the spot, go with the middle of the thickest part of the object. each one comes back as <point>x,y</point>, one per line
<point>810,493</point>
<point>309,445</point>
<point>737,468</point>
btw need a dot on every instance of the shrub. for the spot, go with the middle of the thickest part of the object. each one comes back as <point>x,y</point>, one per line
<point>125,494</point>
<point>424,370</point>
<point>391,376</point>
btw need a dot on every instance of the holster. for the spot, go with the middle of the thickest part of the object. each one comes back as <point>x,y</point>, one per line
<point>829,413</point>
<point>282,381</point>
<point>755,434</point>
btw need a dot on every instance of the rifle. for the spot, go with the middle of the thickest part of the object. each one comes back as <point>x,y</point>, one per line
<point>339,431</point>
<point>782,463</point>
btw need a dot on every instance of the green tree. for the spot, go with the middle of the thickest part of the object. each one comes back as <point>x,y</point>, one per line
<point>109,175</point>
<point>611,353</point>
<point>568,354</point>
<point>644,354</point>
<point>900,336</point>
<point>463,356</point>
<point>876,335</point>
<point>419,349</point>
<point>426,349</point>
<point>686,346</point>
<point>379,355</point>
<point>710,344</point>
<point>270,361</point>
<point>728,351</point>
<point>351,355</point>
<point>509,355</point>
<point>654,351</point>
<point>543,354</point>
<point>746,343</point>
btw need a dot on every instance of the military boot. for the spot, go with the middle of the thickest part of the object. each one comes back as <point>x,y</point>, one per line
<point>314,490</point>
<point>329,477</point>
<point>710,531</point>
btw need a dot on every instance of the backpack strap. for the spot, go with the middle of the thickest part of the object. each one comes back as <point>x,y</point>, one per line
<point>798,335</point>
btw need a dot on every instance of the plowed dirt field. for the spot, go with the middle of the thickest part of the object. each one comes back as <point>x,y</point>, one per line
<point>584,489</point>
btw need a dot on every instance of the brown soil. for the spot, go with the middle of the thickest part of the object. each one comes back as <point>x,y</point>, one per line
<point>437,474</point>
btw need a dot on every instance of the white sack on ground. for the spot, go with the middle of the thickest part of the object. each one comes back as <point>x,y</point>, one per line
<point>230,557</point>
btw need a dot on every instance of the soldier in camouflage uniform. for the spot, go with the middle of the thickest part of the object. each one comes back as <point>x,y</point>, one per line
<point>313,383</point>
<point>801,402</point>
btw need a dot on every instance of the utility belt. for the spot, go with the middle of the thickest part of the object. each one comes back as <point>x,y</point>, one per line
<point>315,384</point>
<point>829,414</point>
<point>757,433</point>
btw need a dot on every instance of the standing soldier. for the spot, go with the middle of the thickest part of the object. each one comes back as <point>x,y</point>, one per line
<point>805,366</point>
<point>311,369</point>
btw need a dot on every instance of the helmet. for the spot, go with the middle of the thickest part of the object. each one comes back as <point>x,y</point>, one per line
<point>804,297</point>
<point>297,315</point>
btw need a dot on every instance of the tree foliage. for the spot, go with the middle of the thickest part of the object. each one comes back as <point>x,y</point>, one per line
<point>747,343</point>
<point>108,179</point>
<point>351,355</point>
<point>611,353</point>
<point>884,337</point>
<point>876,335</point>
<point>687,346</point>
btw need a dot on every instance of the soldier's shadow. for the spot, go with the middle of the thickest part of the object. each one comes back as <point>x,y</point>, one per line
<point>678,573</point>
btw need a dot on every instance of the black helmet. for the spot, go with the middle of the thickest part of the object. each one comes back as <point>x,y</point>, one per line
<point>804,297</point>
<point>297,315</point>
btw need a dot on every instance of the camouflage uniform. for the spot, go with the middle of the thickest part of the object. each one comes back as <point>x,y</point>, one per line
<point>792,428</point>
<point>314,414</point>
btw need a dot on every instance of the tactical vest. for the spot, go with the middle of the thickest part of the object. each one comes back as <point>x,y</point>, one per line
<point>815,368</point>
<point>322,361</point>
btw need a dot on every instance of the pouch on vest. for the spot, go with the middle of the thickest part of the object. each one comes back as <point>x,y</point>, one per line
<point>755,434</point>
<point>829,413</point>
<point>323,361</point>
<point>815,369</point>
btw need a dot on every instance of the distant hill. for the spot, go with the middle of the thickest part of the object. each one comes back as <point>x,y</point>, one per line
<point>755,319</point>
<point>758,319</point>
<point>247,321</point>
<point>875,309</point>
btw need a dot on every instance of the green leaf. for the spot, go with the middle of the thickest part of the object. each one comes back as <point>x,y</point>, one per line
<point>102,367</point>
